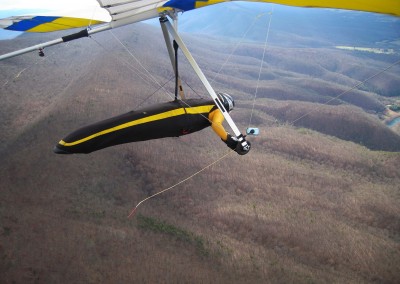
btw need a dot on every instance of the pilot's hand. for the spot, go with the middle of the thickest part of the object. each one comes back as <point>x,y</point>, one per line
<point>231,142</point>
<point>243,149</point>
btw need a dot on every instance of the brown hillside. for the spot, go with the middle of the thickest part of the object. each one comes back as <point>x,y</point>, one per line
<point>301,207</point>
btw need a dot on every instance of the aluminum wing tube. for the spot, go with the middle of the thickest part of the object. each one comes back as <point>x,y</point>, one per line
<point>83,33</point>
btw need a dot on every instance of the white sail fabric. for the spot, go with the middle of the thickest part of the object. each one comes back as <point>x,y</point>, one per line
<point>124,12</point>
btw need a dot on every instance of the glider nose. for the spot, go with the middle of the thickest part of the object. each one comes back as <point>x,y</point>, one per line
<point>58,150</point>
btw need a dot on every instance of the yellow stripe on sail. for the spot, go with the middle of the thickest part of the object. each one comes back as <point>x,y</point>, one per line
<point>377,6</point>
<point>63,23</point>
<point>391,7</point>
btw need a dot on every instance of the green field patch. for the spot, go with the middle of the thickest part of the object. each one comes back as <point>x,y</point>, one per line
<point>159,226</point>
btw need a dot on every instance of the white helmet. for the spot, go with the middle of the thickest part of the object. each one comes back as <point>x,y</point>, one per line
<point>227,101</point>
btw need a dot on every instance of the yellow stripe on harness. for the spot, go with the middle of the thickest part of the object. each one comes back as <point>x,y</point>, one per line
<point>160,116</point>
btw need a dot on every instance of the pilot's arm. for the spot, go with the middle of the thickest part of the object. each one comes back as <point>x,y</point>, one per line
<point>216,118</point>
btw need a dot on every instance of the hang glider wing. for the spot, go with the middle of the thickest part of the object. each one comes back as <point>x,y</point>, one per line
<point>124,12</point>
<point>43,24</point>
<point>391,7</point>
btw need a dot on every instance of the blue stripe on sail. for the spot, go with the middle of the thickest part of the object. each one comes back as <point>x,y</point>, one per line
<point>28,24</point>
<point>184,5</point>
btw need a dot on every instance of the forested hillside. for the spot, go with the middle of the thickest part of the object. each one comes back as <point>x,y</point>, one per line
<point>316,199</point>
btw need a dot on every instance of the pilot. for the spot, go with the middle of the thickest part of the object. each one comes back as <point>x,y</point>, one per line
<point>171,119</point>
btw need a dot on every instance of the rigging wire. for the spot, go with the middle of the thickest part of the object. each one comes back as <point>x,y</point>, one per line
<point>138,72</point>
<point>261,65</point>
<point>178,183</point>
<point>161,87</point>
<point>141,65</point>
<point>92,18</point>
<point>147,75</point>
<point>237,45</point>
<point>131,67</point>
<point>194,91</point>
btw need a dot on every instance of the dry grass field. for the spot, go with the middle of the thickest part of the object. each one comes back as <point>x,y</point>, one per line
<point>315,201</point>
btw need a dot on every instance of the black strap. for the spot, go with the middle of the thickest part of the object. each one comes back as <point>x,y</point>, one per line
<point>82,33</point>
<point>176,46</point>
